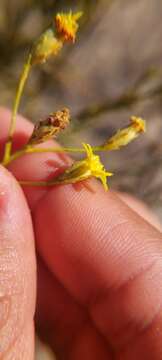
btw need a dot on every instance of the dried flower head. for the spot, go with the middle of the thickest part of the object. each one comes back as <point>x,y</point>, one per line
<point>126,135</point>
<point>67,26</point>
<point>50,127</point>
<point>89,167</point>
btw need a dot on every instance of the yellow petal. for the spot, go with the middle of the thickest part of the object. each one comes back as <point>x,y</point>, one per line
<point>67,26</point>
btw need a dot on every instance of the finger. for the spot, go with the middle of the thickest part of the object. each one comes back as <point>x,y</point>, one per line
<point>63,323</point>
<point>141,208</point>
<point>130,235</point>
<point>35,168</point>
<point>22,132</point>
<point>107,257</point>
<point>17,272</point>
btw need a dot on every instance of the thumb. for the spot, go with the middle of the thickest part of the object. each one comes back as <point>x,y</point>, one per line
<point>17,272</point>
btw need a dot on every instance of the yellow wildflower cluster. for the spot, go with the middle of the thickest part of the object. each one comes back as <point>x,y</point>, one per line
<point>64,29</point>
<point>91,165</point>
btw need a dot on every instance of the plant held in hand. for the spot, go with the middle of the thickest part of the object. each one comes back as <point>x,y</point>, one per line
<point>63,29</point>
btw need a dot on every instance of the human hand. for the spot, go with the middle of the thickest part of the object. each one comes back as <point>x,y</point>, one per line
<point>99,261</point>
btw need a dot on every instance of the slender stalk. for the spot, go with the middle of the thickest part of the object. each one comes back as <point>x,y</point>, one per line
<point>22,81</point>
<point>31,150</point>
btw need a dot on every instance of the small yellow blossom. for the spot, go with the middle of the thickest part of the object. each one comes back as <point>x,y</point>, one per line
<point>95,167</point>
<point>84,169</point>
<point>67,26</point>
<point>126,135</point>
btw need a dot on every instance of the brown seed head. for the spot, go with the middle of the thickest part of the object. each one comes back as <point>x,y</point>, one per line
<point>50,127</point>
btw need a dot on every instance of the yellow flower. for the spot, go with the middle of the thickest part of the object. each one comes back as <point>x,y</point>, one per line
<point>95,167</point>
<point>67,26</point>
<point>84,169</point>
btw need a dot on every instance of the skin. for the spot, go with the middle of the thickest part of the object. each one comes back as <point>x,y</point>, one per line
<point>99,265</point>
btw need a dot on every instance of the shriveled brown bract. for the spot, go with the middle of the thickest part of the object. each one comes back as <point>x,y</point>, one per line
<point>50,127</point>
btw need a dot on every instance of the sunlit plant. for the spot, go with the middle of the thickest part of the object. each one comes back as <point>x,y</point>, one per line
<point>63,29</point>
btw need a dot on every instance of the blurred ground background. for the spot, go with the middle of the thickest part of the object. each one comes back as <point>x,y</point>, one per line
<point>113,71</point>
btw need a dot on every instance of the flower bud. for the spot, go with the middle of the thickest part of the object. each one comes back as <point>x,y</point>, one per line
<point>125,135</point>
<point>47,45</point>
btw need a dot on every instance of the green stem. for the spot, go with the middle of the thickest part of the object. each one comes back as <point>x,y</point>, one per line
<point>19,92</point>
<point>31,150</point>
